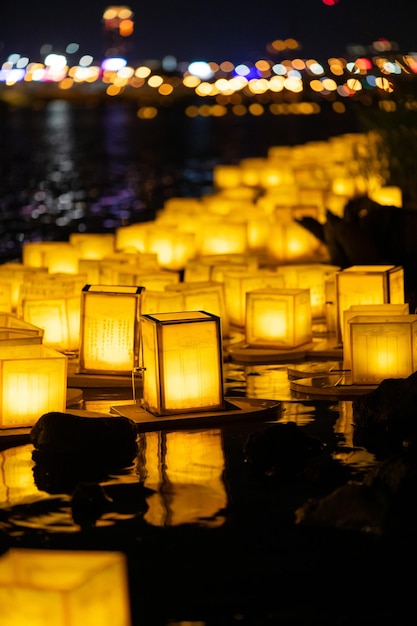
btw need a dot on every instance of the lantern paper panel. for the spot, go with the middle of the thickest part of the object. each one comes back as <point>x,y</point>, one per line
<point>109,329</point>
<point>278,318</point>
<point>237,284</point>
<point>59,318</point>
<point>193,462</point>
<point>205,295</point>
<point>310,276</point>
<point>93,245</point>
<point>33,381</point>
<point>183,362</point>
<point>367,284</point>
<point>367,309</point>
<point>63,588</point>
<point>382,347</point>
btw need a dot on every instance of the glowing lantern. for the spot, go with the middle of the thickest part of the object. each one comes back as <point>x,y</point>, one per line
<point>382,347</point>
<point>387,196</point>
<point>56,256</point>
<point>156,301</point>
<point>227,176</point>
<point>310,276</point>
<point>33,381</point>
<point>64,588</point>
<point>172,246</point>
<point>93,245</point>
<point>206,296</point>
<point>367,309</point>
<point>132,237</point>
<point>182,357</point>
<point>58,317</point>
<point>109,329</point>
<point>223,238</point>
<point>367,284</point>
<point>16,274</point>
<point>289,241</point>
<point>15,331</point>
<point>278,318</point>
<point>5,296</point>
<point>237,284</point>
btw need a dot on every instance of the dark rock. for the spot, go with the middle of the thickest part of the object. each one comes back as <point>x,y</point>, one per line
<point>72,448</point>
<point>385,419</point>
<point>281,451</point>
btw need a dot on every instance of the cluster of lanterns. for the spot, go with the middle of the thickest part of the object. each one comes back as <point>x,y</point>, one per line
<point>168,298</point>
<point>233,266</point>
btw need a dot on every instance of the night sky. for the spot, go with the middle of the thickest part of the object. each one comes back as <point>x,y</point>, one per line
<point>213,30</point>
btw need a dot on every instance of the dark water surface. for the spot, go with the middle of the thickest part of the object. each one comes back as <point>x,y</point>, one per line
<point>70,166</point>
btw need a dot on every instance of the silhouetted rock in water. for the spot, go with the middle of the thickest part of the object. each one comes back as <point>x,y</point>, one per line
<point>385,419</point>
<point>73,448</point>
<point>369,233</point>
<point>382,504</point>
<point>282,451</point>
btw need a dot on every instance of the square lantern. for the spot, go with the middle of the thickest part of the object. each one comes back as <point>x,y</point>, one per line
<point>64,588</point>
<point>310,276</point>
<point>382,347</point>
<point>93,245</point>
<point>278,318</point>
<point>367,309</point>
<point>15,331</point>
<point>58,317</point>
<point>33,381</point>
<point>206,295</point>
<point>183,362</point>
<point>367,284</point>
<point>237,284</point>
<point>109,329</point>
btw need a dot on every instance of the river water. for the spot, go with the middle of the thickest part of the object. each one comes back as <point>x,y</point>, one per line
<point>72,166</point>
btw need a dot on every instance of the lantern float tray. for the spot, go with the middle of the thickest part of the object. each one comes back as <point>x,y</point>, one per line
<point>244,353</point>
<point>236,409</point>
<point>330,387</point>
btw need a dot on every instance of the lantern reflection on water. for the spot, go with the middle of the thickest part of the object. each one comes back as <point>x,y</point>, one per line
<point>186,471</point>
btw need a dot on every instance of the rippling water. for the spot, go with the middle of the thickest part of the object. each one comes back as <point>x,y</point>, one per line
<point>70,166</point>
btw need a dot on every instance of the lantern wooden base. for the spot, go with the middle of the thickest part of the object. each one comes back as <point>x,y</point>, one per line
<point>243,353</point>
<point>314,369</point>
<point>332,387</point>
<point>236,409</point>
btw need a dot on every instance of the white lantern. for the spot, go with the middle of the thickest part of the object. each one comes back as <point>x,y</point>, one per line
<point>183,362</point>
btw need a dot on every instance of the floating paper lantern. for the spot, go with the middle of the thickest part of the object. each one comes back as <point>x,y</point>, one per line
<point>93,245</point>
<point>367,284</point>
<point>367,309</point>
<point>15,331</point>
<point>278,318</point>
<point>206,296</point>
<point>183,362</point>
<point>237,284</point>
<point>109,329</point>
<point>58,317</point>
<point>382,347</point>
<point>64,588</point>
<point>310,276</point>
<point>33,381</point>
